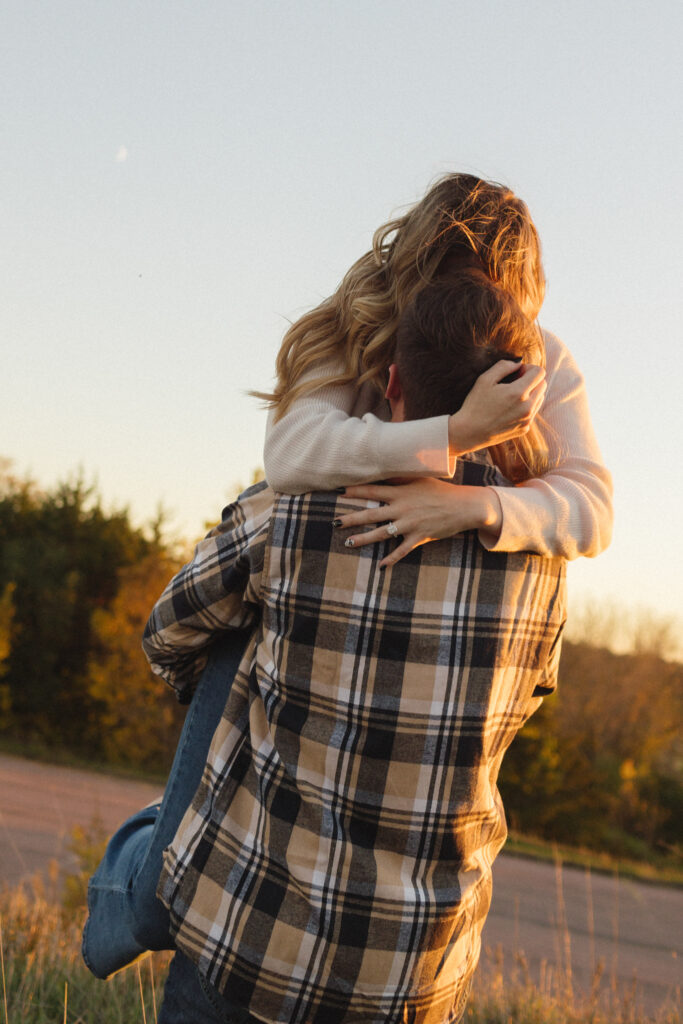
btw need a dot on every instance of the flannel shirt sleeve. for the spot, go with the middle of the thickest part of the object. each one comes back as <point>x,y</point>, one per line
<point>217,590</point>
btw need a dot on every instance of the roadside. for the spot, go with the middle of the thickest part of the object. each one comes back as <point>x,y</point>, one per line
<point>541,913</point>
<point>667,873</point>
<point>660,871</point>
<point>43,754</point>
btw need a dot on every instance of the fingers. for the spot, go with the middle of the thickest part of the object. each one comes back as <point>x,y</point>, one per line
<point>370,492</point>
<point>501,369</point>
<point>533,402</point>
<point>403,549</point>
<point>374,536</point>
<point>358,540</point>
<point>538,397</point>
<point>533,385</point>
<point>363,517</point>
<point>532,377</point>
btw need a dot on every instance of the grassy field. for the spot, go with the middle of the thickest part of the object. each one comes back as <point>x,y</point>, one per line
<point>44,980</point>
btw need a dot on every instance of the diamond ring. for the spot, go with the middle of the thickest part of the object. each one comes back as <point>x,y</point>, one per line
<point>392,529</point>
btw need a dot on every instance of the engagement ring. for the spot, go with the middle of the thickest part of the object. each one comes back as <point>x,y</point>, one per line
<point>392,529</point>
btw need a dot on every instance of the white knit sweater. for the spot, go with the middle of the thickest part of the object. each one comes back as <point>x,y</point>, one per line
<point>340,435</point>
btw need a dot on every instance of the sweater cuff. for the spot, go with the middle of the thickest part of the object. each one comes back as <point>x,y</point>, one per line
<point>522,512</point>
<point>416,447</point>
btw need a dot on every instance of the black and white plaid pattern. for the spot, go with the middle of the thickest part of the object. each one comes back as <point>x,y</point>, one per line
<point>335,865</point>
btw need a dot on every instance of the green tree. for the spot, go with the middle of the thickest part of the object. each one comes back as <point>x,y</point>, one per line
<point>62,556</point>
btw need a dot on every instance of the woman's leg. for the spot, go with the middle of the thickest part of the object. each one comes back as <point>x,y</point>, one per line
<point>125,918</point>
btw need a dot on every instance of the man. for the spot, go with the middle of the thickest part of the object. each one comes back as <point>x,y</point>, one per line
<point>335,864</point>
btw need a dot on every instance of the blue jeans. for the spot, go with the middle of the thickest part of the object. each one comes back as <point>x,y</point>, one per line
<point>125,918</point>
<point>190,999</point>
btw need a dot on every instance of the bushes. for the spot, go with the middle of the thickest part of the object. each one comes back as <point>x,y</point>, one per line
<point>76,587</point>
<point>599,764</point>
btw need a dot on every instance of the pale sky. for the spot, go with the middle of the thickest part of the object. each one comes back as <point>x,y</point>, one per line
<point>179,179</point>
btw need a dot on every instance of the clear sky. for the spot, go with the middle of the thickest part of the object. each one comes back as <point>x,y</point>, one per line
<point>180,178</point>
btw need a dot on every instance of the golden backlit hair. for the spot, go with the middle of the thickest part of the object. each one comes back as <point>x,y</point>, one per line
<point>462,221</point>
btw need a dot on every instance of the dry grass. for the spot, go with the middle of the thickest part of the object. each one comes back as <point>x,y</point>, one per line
<point>45,981</point>
<point>505,992</point>
<point>508,994</point>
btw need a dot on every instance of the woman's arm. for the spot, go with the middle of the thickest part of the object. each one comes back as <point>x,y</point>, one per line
<point>568,511</point>
<point>339,435</point>
<point>322,443</point>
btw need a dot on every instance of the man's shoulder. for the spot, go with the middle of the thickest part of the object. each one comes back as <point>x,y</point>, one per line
<point>305,520</point>
<point>287,520</point>
<point>249,513</point>
<point>291,523</point>
<point>301,529</point>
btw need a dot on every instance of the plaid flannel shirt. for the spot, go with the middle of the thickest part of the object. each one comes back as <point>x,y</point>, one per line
<point>335,864</point>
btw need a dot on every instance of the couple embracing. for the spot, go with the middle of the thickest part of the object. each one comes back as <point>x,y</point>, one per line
<point>357,659</point>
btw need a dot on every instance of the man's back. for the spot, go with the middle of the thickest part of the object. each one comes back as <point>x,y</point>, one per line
<point>335,864</point>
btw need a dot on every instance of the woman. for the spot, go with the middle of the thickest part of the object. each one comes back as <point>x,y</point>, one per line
<point>327,428</point>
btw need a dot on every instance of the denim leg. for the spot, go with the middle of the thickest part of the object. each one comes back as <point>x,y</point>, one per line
<point>190,999</point>
<point>125,918</point>
<point>109,941</point>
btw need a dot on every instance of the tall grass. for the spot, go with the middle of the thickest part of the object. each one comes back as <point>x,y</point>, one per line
<point>506,993</point>
<point>45,981</point>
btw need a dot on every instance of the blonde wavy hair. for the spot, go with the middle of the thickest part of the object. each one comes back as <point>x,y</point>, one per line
<point>463,221</point>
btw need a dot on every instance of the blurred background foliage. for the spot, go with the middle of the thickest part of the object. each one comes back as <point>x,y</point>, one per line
<point>600,765</point>
<point>77,583</point>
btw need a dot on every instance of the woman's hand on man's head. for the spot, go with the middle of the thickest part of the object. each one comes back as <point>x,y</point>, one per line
<point>494,411</point>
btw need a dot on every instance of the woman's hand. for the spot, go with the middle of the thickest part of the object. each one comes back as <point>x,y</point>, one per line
<point>422,510</point>
<point>495,412</point>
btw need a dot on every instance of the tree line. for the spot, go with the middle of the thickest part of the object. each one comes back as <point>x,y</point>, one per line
<point>600,764</point>
<point>77,583</point>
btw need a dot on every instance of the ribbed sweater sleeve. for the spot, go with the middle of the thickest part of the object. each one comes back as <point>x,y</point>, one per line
<point>339,435</point>
<point>567,512</point>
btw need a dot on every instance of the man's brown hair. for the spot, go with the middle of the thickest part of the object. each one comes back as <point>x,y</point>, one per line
<point>450,334</point>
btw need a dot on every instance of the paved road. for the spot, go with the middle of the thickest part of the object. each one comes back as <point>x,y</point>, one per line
<point>556,916</point>
<point>40,805</point>
<point>571,918</point>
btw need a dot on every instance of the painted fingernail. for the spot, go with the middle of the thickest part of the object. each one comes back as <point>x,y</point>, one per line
<point>336,522</point>
<point>340,490</point>
<point>349,542</point>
